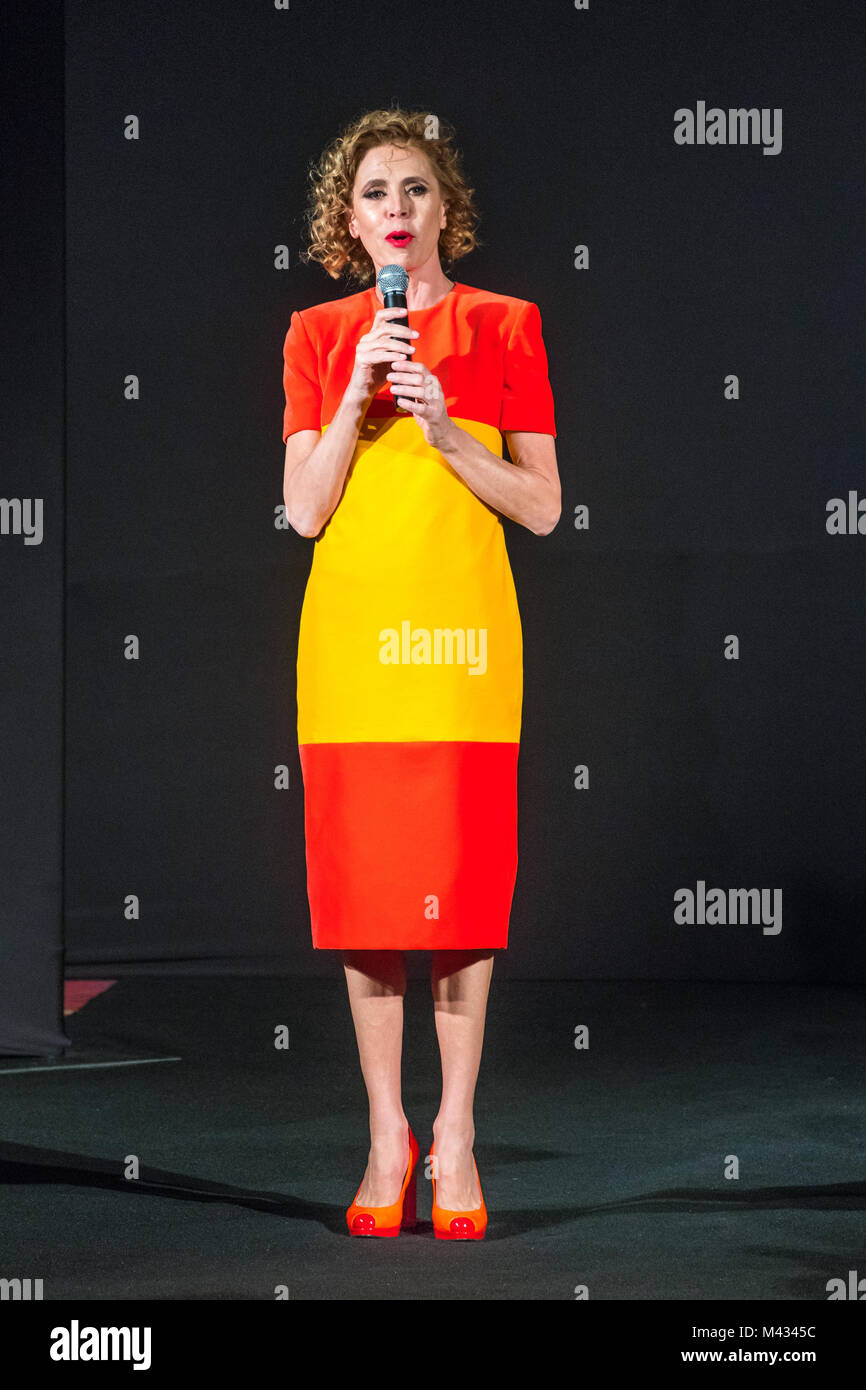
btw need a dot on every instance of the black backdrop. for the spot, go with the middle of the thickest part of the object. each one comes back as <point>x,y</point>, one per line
<point>31,530</point>
<point>707,515</point>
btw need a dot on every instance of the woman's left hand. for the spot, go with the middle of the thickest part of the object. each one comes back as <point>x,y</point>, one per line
<point>416,388</point>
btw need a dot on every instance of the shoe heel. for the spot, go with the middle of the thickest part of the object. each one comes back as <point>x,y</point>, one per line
<point>410,1202</point>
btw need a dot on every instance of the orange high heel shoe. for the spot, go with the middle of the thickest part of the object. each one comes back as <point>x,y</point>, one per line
<point>386,1221</point>
<point>459,1225</point>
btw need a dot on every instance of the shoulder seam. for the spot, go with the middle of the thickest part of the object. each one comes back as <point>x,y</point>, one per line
<point>302,321</point>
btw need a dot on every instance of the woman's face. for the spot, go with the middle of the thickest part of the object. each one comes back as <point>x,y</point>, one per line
<point>396,191</point>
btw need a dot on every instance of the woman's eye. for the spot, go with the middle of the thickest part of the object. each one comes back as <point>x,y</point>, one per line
<point>416,188</point>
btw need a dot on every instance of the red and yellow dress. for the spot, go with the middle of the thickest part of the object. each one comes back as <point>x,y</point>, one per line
<point>410,650</point>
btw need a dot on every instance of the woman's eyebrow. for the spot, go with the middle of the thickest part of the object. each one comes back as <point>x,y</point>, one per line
<point>410,178</point>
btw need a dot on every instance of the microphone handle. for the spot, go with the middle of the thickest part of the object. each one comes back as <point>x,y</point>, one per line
<point>394,299</point>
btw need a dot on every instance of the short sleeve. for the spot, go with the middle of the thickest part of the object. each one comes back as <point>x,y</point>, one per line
<point>527,397</point>
<point>303,408</point>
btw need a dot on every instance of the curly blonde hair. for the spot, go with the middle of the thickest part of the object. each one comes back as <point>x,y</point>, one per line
<point>333,178</point>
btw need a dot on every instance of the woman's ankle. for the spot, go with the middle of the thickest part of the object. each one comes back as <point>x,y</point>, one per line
<point>388,1127</point>
<point>457,1130</point>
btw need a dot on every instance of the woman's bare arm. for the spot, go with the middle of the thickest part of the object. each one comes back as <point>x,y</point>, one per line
<point>317,464</point>
<point>527,490</point>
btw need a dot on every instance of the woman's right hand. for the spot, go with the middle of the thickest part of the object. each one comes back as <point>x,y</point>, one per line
<point>383,345</point>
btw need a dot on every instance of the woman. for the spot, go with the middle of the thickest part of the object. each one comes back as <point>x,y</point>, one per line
<point>410,644</point>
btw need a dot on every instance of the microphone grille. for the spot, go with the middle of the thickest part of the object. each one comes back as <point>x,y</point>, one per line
<point>392,278</point>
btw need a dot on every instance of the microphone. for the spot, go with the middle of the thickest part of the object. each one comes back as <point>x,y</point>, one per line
<point>393,281</point>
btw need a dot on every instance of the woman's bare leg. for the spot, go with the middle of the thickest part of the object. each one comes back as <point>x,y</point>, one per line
<point>460,981</point>
<point>376,982</point>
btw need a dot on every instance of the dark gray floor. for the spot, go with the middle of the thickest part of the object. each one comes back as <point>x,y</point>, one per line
<point>601,1167</point>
